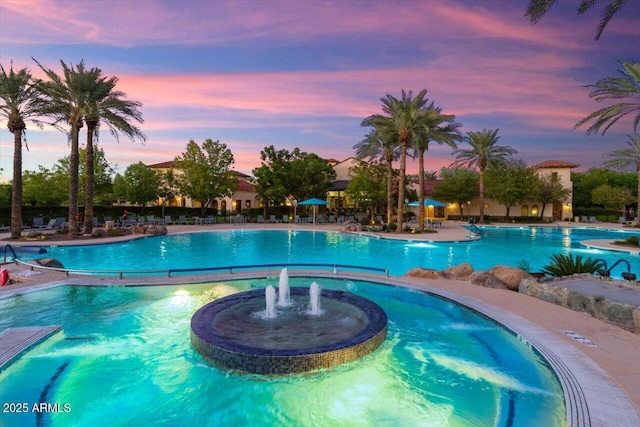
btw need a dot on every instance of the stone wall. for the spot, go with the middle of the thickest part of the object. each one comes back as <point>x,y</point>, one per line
<point>625,316</point>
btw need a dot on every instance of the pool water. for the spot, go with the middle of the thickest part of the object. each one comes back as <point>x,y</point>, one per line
<point>500,245</point>
<point>125,358</point>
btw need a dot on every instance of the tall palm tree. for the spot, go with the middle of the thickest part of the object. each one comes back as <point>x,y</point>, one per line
<point>625,87</point>
<point>66,99</point>
<point>17,103</point>
<point>377,145</point>
<point>537,8</point>
<point>441,128</point>
<point>627,157</point>
<point>403,118</point>
<point>484,149</point>
<point>109,107</point>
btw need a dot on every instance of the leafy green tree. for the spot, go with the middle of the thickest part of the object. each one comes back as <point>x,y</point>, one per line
<point>484,149</point>
<point>45,187</point>
<point>612,197</point>
<point>139,185</point>
<point>107,106</point>
<point>537,8</point>
<point>585,182</point>
<point>311,176</point>
<point>206,172</point>
<point>457,185</point>
<point>368,185</point>
<point>66,100</point>
<point>440,128</point>
<point>17,104</point>
<point>402,119</point>
<point>615,88</point>
<point>272,176</point>
<point>549,190</point>
<point>103,173</point>
<point>627,157</point>
<point>510,183</point>
<point>377,145</point>
<point>5,195</point>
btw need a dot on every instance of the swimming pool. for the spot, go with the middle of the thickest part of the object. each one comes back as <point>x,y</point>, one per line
<point>500,245</point>
<point>125,357</point>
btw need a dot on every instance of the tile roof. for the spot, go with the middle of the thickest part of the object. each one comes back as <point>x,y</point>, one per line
<point>555,164</point>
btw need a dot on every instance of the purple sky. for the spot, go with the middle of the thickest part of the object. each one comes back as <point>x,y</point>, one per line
<point>305,73</point>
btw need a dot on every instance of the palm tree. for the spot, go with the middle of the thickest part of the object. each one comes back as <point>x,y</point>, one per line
<point>107,106</point>
<point>404,118</point>
<point>17,96</point>
<point>627,157</point>
<point>376,145</point>
<point>537,8</point>
<point>626,86</point>
<point>66,100</point>
<point>484,149</point>
<point>442,129</point>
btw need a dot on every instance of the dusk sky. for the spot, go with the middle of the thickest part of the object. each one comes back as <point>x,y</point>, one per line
<point>305,73</point>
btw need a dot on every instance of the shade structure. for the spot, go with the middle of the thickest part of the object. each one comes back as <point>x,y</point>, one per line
<point>314,202</point>
<point>427,203</point>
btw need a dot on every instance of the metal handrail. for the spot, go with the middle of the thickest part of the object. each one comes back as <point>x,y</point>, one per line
<point>8,246</point>
<point>230,269</point>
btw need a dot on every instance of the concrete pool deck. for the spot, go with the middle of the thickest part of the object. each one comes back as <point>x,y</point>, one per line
<point>616,352</point>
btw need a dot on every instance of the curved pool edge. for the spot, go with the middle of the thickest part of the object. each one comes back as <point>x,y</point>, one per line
<point>592,396</point>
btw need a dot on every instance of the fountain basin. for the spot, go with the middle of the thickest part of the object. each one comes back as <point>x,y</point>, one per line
<point>229,333</point>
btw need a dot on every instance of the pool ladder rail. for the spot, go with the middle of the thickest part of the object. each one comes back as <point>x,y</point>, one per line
<point>605,271</point>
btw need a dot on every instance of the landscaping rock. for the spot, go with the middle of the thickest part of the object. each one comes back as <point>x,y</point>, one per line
<point>458,272</point>
<point>510,276</point>
<point>425,273</point>
<point>486,279</point>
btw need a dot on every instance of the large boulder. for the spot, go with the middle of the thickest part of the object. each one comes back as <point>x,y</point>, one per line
<point>510,276</point>
<point>458,272</point>
<point>486,279</point>
<point>49,262</point>
<point>425,273</point>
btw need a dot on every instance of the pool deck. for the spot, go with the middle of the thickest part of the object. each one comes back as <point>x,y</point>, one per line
<point>609,355</point>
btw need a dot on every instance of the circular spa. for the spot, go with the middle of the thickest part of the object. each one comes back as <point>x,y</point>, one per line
<point>308,330</point>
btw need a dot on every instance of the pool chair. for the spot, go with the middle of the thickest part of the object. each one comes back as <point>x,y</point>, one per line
<point>38,222</point>
<point>285,219</point>
<point>622,220</point>
<point>332,219</point>
<point>261,219</point>
<point>272,219</point>
<point>593,219</point>
<point>168,220</point>
<point>51,225</point>
<point>584,218</point>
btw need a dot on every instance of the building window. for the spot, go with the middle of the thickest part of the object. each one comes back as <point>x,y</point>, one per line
<point>534,210</point>
<point>524,211</point>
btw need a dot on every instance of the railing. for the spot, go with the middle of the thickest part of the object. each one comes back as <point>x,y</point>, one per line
<point>474,229</point>
<point>229,269</point>
<point>5,253</point>
<point>606,271</point>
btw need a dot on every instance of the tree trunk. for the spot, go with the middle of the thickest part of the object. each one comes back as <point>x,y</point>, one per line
<point>481,198</point>
<point>73,181</point>
<point>638,207</point>
<point>16,188</point>
<point>390,190</point>
<point>89,178</point>
<point>403,167</point>
<point>421,190</point>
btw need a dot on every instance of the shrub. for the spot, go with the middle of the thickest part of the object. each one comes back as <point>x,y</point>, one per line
<point>630,241</point>
<point>565,265</point>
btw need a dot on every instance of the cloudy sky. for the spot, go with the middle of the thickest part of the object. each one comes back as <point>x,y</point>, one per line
<point>305,73</point>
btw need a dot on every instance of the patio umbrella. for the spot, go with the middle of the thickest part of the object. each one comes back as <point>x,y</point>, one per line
<point>314,202</point>
<point>427,203</point>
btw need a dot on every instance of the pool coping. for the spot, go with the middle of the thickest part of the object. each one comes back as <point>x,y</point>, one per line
<point>591,395</point>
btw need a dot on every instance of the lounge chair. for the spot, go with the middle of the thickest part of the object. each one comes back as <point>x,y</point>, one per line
<point>332,219</point>
<point>285,219</point>
<point>622,220</point>
<point>272,219</point>
<point>261,219</point>
<point>593,219</point>
<point>38,222</point>
<point>584,218</point>
<point>168,220</point>
<point>51,225</point>
<point>182,219</point>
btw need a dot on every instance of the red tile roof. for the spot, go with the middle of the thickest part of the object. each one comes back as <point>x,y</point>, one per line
<point>555,164</point>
